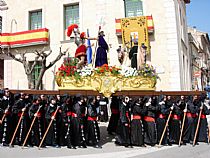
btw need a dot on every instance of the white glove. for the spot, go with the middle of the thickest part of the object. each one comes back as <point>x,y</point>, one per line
<point>102,112</point>
<point>172,108</point>
<point>53,117</point>
<point>148,103</point>
<point>162,102</point>
<point>6,111</point>
<point>35,114</point>
<point>23,109</point>
<point>185,110</point>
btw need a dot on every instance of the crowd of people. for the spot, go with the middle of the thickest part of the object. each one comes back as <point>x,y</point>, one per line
<point>72,121</point>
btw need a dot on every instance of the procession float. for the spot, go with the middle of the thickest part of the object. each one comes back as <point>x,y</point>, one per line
<point>91,71</point>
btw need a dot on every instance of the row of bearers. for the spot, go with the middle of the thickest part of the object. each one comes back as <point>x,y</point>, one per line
<point>159,120</point>
<point>70,122</point>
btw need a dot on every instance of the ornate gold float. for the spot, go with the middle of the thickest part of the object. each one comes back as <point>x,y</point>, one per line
<point>106,83</point>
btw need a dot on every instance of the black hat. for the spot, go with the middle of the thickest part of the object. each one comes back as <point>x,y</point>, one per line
<point>52,98</point>
<point>90,99</point>
<point>146,98</point>
<point>17,96</point>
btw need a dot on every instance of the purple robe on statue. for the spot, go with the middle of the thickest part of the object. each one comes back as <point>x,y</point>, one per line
<point>101,54</point>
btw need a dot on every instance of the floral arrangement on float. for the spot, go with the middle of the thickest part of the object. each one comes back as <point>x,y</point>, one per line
<point>105,79</point>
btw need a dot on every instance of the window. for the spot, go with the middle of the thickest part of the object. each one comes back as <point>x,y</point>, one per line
<point>35,20</point>
<point>0,24</point>
<point>71,15</point>
<point>133,8</point>
<point>35,73</point>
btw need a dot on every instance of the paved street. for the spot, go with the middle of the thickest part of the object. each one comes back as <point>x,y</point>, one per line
<point>109,150</point>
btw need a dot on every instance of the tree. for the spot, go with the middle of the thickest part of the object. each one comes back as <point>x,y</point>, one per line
<point>40,56</point>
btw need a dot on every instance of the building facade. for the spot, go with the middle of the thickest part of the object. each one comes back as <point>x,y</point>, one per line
<point>169,51</point>
<point>3,8</point>
<point>200,54</point>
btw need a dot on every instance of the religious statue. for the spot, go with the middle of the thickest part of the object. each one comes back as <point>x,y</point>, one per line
<point>79,39</point>
<point>137,55</point>
<point>101,53</point>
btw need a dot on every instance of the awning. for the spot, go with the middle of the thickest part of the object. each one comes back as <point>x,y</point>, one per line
<point>150,25</point>
<point>24,38</point>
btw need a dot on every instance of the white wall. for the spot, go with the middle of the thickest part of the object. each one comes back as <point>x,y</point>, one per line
<point>166,49</point>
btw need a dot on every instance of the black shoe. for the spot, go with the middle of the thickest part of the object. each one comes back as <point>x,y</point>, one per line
<point>128,146</point>
<point>74,147</point>
<point>56,146</point>
<point>84,146</point>
<point>97,146</point>
<point>29,145</point>
<point>196,144</point>
<point>143,145</point>
<point>5,144</point>
<point>183,143</point>
<point>43,146</point>
<point>11,146</point>
<point>169,144</point>
<point>70,147</point>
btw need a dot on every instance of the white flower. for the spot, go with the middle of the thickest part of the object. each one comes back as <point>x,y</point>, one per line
<point>86,71</point>
<point>128,71</point>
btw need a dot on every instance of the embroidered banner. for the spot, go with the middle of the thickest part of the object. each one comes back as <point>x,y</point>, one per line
<point>135,29</point>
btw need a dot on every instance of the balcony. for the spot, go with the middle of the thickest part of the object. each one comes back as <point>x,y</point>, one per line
<point>24,38</point>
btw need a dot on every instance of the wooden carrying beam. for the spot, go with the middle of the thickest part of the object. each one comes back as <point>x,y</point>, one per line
<point>129,93</point>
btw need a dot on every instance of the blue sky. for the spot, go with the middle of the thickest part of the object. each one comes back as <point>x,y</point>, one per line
<point>198,14</point>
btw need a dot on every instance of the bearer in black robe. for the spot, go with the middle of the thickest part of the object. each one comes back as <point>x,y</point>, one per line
<point>66,108</point>
<point>165,106</point>
<point>22,105</point>
<point>92,130</point>
<point>123,127</point>
<point>52,135</point>
<point>60,123</point>
<point>7,124</point>
<point>78,136</point>
<point>83,121</point>
<point>150,131</point>
<point>103,117</point>
<point>189,126</point>
<point>203,128</point>
<point>137,135</point>
<point>38,127</point>
<point>175,122</point>
<point>114,116</point>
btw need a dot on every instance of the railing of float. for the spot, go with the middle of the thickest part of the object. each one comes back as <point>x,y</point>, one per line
<point>128,93</point>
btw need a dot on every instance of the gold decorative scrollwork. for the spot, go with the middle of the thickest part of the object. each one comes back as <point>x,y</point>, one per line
<point>107,84</point>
